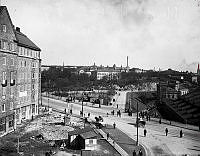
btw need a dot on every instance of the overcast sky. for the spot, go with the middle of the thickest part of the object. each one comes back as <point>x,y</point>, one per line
<point>153,33</point>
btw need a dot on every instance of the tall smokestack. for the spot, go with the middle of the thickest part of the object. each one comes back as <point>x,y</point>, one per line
<point>198,72</point>
<point>127,62</point>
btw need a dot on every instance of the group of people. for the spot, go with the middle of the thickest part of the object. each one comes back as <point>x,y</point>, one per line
<point>140,153</point>
<point>118,113</point>
<point>166,132</point>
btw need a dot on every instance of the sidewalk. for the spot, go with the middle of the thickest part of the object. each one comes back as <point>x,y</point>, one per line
<point>121,140</point>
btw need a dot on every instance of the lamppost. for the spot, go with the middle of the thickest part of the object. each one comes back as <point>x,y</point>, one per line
<point>82,105</point>
<point>137,124</point>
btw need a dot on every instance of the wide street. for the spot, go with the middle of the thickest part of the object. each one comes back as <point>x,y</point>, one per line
<point>155,143</point>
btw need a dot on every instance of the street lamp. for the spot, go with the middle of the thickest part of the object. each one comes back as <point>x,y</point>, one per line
<point>137,124</point>
<point>82,105</point>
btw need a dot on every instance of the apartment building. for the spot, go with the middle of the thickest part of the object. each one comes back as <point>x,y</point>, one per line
<point>19,75</point>
<point>8,71</point>
<point>28,77</point>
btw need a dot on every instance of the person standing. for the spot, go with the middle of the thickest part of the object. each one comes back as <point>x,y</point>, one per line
<point>107,136</point>
<point>140,152</point>
<point>166,131</point>
<point>145,132</point>
<point>114,125</point>
<point>181,133</point>
<point>134,153</point>
<point>160,121</point>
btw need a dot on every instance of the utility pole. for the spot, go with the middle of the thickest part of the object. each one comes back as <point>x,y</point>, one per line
<point>137,123</point>
<point>18,145</point>
<point>82,105</point>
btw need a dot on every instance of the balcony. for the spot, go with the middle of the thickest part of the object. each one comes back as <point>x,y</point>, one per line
<point>12,82</point>
<point>4,83</point>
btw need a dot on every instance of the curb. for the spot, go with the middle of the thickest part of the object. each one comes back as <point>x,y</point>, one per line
<point>113,143</point>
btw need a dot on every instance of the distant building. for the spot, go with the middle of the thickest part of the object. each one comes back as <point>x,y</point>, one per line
<point>19,75</point>
<point>198,70</point>
<point>100,72</point>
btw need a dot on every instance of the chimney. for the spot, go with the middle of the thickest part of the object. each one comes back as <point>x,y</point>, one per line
<point>127,62</point>
<point>17,29</point>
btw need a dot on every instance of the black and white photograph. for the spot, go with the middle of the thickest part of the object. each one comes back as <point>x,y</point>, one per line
<point>99,77</point>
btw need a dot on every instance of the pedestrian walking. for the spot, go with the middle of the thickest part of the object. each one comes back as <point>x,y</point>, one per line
<point>114,125</point>
<point>166,131</point>
<point>140,153</point>
<point>181,133</point>
<point>134,153</point>
<point>160,121</point>
<point>108,136</point>
<point>145,132</point>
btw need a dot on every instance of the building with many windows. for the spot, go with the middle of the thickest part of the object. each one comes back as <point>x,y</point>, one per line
<point>19,75</point>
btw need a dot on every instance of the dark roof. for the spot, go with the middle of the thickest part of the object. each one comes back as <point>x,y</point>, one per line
<point>80,131</point>
<point>87,135</point>
<point>1,8</point>
<point>24,41</point>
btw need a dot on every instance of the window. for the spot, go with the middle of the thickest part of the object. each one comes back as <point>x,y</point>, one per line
<point>33,75</point>
<point>4,60</point>
<point>12,47</point>
<point>2,124</point>
<point>4,93</point>
<point>34,65</point>
<point>20,50</point>
<point>4,28</point>
<point>28,52</point>
<point>3,108</point>
<point>5,45</point>
<point>33,86</point>
<point>12,62</point>
<point>4,76</point>
<point>31,53</point>
<point>11,76</point>
<point>11,91</point>
<point>11,121</point>
<point>21,63</point>
<point>90,141</point>
<point>11,105</point>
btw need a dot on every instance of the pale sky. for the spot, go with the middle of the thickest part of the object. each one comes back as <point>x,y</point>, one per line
<point>153,33</point>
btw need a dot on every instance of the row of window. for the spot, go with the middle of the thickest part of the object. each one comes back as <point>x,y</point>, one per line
<point>4,92</point>
<point>4,61</point>
<point>28,52</point>
<point>107,73</point>
<point>3,107</point>
<point>23,63</point>
<point>22,76</point>
<point>25,87</point>
<point>10,46</point>
<point>4,76</point>
<point>5,45</point>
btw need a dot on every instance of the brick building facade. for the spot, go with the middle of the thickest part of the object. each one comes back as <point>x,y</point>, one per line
<point>19,75</point>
